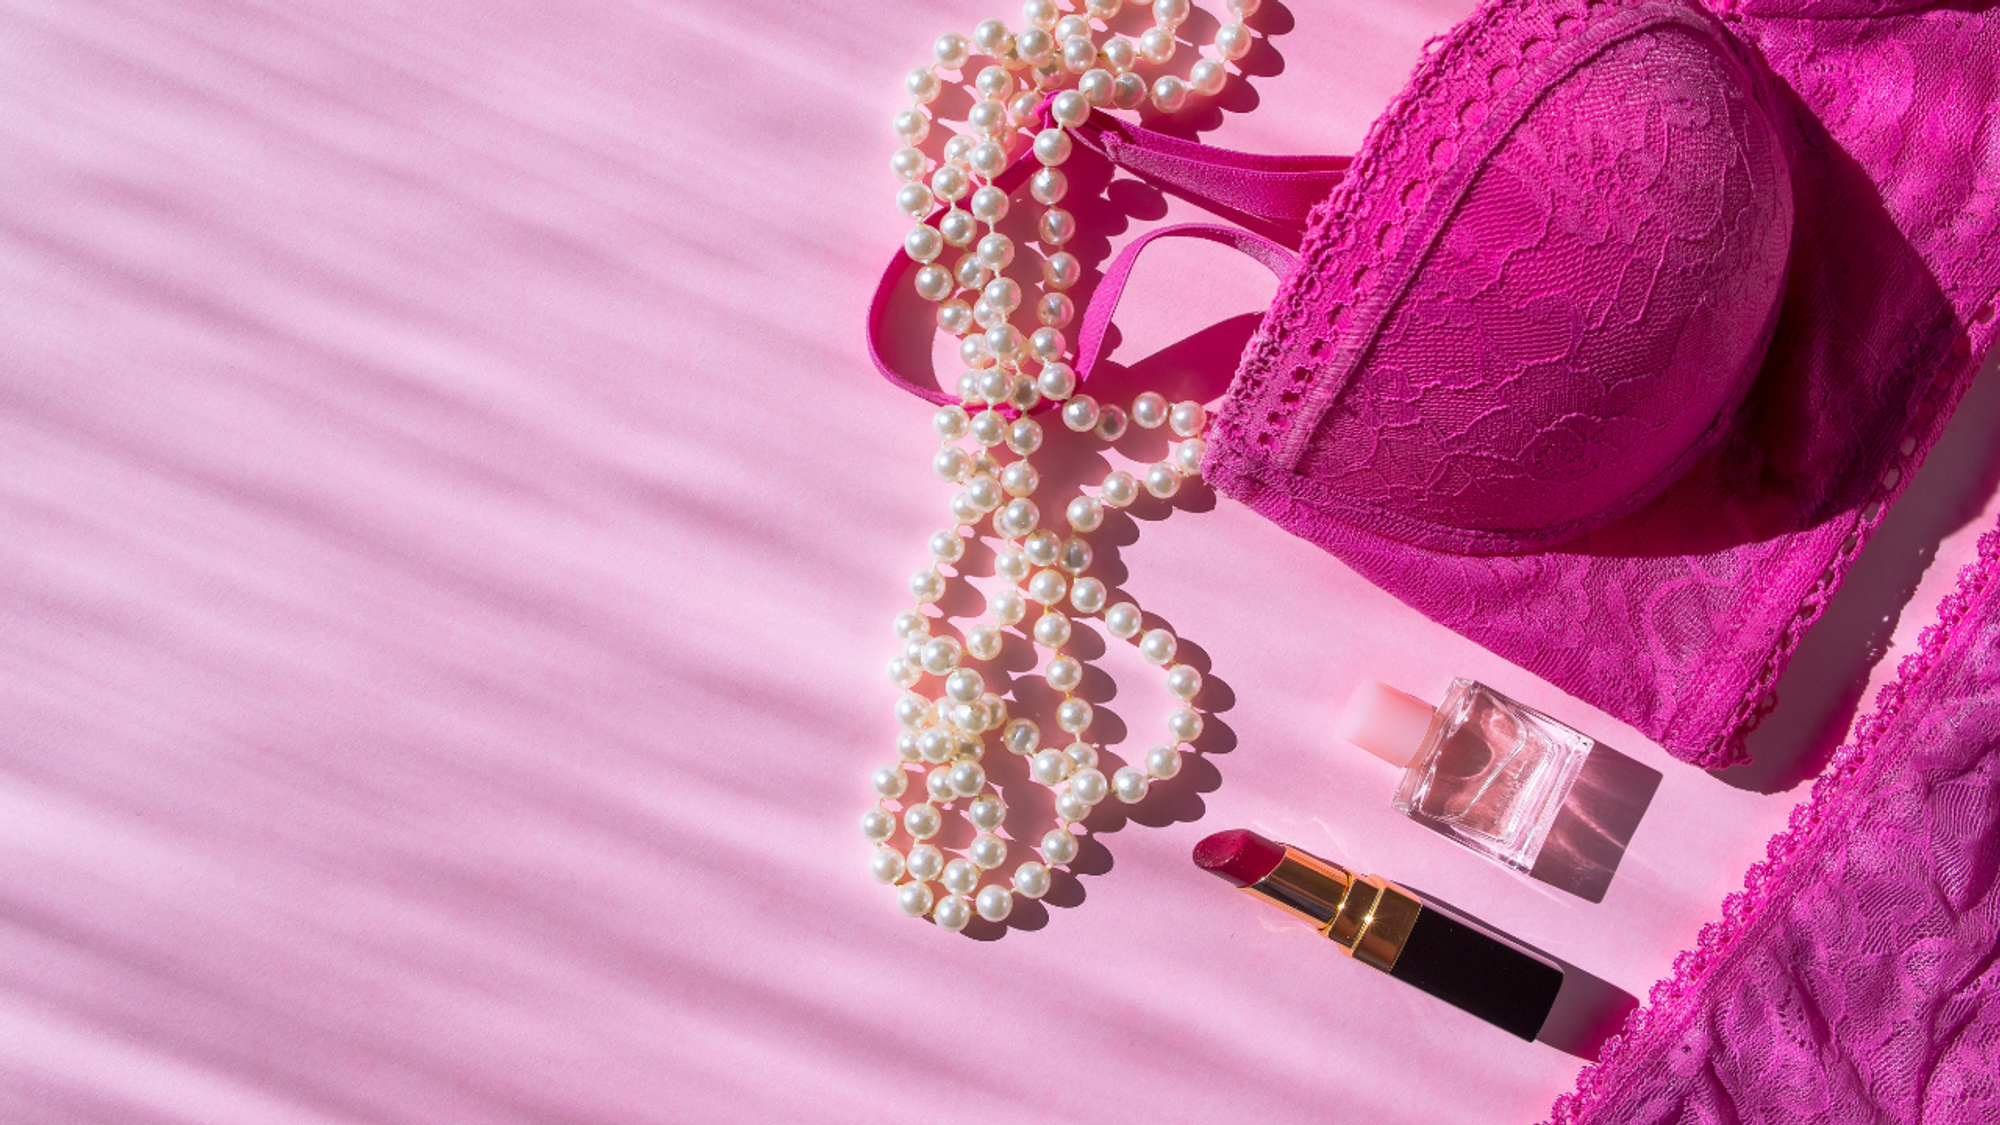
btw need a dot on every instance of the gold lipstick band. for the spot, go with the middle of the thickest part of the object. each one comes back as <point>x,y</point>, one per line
<point>1367,916</point>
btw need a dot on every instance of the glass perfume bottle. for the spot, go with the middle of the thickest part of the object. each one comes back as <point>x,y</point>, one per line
<point>1480,768</point>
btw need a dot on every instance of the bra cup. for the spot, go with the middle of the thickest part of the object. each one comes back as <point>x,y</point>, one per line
<point>1557,341</point>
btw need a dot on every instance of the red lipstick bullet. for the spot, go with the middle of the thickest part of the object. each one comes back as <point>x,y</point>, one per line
<point>1398,931</point>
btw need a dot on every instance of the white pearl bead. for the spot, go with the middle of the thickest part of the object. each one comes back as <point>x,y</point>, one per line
<point>909,163</point>
<point>906,746</point>
<point>1031,880</point>
<point>992,383</point>
<point>1188,455</point>
<point>914,711</point>
<point>1021,736</point>
<point>1163,762</point>
<point>1056,227</point>
<point>950,183</point>
<point>1021,109</point>
<point>1156,45</point>
<point>983,642</point>
<point>1184,723</point>
<point>902,673</point>
<point>983,465</point>
<point>1062,674</point>
<point>1057,381</point>
<point>915,200</point>
<point>1169,94</point>
<point>1068,108</point>
<point>910,623</point>
<point>1110,424</point>
<point>912,126</point>
<point>1129,784</point>
<point>922,821</point>
<point>937,785</point>
<point>1161,479</point>
<point>1171,13</point>
<point>1006,607</point>
<point>1187,418</point>
<point>1052,146</point>
<point>1129,90</point>
<point>1078,55</point>
<point>994,82</point>
<point>958,227</point>
<point>1207,77</point>
<point>984,492</point>
<point>1071,807</point>
<point>964,685</point>
<point>1089,785</point>
<point>1074,715</point>
<point>989,205</point>
<point>913,650</point>
<point>956,150</point>
<point>1087,596</point>
<point>960,876</point>
<point>1043,548</point>
<point>1002,293</point>
<point>967,717</point>
<point>1072,26</point>
<point>1242,9</point>
<point>987,118</point>
<point>878,824</point>
<point>1040,13</point>
<point>1183,682</point>
<point>963,509</point>
<point>1052,630</point>
<point>1020,479</point>
<point>1061,270</point>
<point>989,427</point>
<point>1048,587</point>
<point>987,159</point>
<point>1048,186</point>
<point>886,865</point>
<point>1035,46</point>
<point>1079,413</point>
<point>936,745</point>
<point>923,244</point>
<point>996,251</point>
<point>1085,513</point>
<point>1119,489</point>
<point>1149,410</point>
<point>968,778</point>
<point>1047,344</point>
<point>987,851</point>
<point>951,914</point>
<point>1075,556</point>
<point>1049,766</point>
<point>950,50</point>
<point>890,781</point>
<point>1122,620</point>
<point>940,655</point>
<point>1059,846</point>
<point>1118,54</point>
<point>925,862</point>
<point>949,464</point>
<point>1018,518</point>
<point>987,813</point>
<point>1024,436</point>
<point>914,899</point>
<point>1082,756</point>
<point>995,902</point>
<point>947,546</point>
<point>1157,647</point>
<point>933,283</point>
<point>1055,309</point>
<point>1232,41</point>
<point>1012,564</point>
<point>1097,86</point>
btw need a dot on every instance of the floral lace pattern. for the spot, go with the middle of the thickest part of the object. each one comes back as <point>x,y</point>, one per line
<point>1854,976</point>
<point>1524,322</point>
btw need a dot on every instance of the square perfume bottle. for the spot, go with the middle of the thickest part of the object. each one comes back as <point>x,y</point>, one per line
<point>1481,768</point>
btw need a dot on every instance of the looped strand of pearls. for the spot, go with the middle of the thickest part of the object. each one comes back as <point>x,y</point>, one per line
<point>945,710</point>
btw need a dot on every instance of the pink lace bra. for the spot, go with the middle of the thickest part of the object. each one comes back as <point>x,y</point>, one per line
<point>1608,346</point>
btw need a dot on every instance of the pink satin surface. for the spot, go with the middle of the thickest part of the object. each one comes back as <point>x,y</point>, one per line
<point>448,534</point>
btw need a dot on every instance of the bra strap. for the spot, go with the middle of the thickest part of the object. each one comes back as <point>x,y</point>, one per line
<point>1273,191</point>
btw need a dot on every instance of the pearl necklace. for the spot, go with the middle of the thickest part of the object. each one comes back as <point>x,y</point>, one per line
<point>945,724</point>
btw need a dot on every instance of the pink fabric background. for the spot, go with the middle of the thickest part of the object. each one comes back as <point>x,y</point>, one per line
<point>448,535</point>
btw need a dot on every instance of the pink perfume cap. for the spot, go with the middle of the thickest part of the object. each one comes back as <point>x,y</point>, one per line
<point>1385,722</point>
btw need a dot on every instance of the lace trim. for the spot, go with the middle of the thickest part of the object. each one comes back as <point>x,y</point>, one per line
<point>1673,1000</point>
<point>1926,426</point>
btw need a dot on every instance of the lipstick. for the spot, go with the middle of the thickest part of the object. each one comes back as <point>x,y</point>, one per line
<point>1390,928</point>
